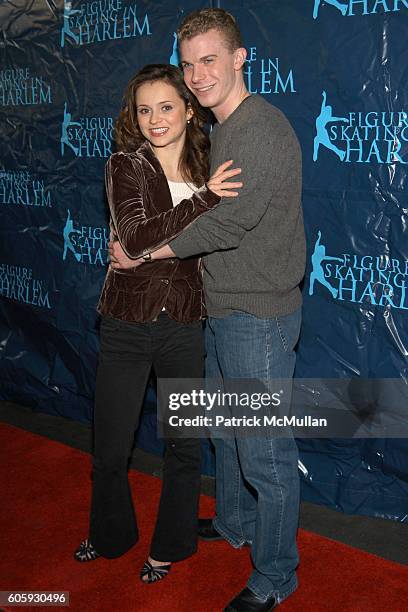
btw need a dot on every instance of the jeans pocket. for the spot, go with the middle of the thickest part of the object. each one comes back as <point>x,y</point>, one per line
<point>288,328</point>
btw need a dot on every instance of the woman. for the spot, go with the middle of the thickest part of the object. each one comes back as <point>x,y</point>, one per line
<point>151,315</point>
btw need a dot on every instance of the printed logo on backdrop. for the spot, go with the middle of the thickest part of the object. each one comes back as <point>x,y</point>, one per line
<point>88,137</point>
<point>361,137</point>
<point>351,8</point>
<point>17,283</point>
<point>96,21</point>
<point>379,280</point>
<point>267,75</point>
<point>18,187</point>
<point>87,244</point>
<point>18,87</point>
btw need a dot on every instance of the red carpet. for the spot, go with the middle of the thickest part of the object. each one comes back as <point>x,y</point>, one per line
<point>44,515</point>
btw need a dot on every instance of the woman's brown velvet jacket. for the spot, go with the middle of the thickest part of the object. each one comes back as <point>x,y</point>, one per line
<point>142,219</point>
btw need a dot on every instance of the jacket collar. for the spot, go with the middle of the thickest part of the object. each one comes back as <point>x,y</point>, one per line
<point>156,179</point>
<point>147,152</point>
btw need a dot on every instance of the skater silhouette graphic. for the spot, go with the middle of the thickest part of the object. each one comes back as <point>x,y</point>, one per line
<point>322,135</point>
<point>66,28</point>
<point>175,58</point>
<point>68,230</point>
<point>64,131</point>
<point>319,255</point>
<point>338,5</point>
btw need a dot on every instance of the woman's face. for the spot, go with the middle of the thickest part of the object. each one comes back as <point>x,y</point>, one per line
<point>161,113</point>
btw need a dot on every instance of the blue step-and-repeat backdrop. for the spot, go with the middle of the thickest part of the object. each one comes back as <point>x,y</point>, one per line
<point>338,69</point>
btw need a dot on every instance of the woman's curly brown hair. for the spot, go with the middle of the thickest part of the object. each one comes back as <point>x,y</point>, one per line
<point>194,162</point>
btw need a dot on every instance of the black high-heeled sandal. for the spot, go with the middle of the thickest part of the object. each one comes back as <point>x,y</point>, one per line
<point>154,572</point>
<point>85,552</point>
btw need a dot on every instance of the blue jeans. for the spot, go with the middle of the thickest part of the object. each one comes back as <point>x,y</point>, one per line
<point>257,482</point>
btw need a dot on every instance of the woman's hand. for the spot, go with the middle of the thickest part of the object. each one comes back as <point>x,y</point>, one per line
<point>118,258</point>
<point>218,183</point>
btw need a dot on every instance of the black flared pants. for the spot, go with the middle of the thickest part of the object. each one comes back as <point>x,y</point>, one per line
<point>128,353</point>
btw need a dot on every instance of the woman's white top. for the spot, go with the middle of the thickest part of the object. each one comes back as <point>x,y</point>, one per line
<point>181,191</point>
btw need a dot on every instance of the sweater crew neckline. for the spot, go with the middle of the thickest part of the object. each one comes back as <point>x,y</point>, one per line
<point>235,112</point>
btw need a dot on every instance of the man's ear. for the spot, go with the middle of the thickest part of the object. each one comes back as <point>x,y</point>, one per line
<point>240,57</point>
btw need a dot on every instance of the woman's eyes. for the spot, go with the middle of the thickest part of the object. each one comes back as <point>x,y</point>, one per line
<point>144,111</point>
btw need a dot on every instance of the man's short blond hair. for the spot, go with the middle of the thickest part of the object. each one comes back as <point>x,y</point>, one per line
<point>203,20</point>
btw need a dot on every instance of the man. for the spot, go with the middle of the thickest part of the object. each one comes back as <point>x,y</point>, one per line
<point>254,262</point>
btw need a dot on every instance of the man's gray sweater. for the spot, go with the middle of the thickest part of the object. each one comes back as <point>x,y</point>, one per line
<point>255,243</point>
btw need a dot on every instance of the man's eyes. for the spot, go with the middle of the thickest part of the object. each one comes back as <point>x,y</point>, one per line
<point>207,60</point>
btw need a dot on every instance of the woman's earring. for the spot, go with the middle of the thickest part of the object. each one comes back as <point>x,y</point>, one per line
<point>188,120</point>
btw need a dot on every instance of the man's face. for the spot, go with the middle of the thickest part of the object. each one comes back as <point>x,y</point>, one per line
<point>210,69</point>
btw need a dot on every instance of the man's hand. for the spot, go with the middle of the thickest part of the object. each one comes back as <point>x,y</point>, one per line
<point>119,260</point>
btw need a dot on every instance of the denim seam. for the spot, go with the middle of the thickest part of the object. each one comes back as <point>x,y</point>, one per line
<point>237,520</point>
<point>281,334</point>
<point>268,350</point>
<point>226,536</point>
<point>279,522</point>
<point>238,498</point>
<point>272,460</point>
<point>279,596</point>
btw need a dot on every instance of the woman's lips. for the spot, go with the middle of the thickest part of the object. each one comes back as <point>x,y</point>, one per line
<point>157,132</point>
